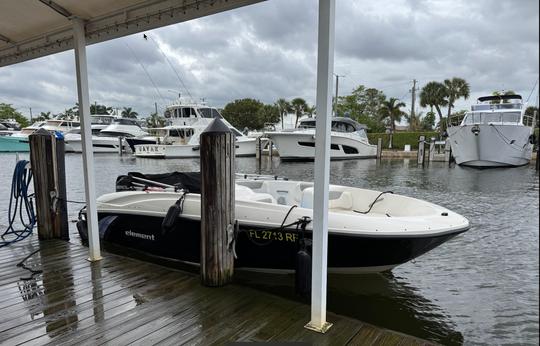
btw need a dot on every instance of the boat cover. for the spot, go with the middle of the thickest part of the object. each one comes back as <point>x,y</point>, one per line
<point>190,181</point>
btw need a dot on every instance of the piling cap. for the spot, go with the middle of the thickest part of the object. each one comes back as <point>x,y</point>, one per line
<point>41,131</point>
<point>217,126</point>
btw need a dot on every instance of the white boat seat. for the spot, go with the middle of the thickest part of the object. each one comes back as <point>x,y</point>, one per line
<point>344,201</point>
<point>298,191</point>
<point>245,193</point>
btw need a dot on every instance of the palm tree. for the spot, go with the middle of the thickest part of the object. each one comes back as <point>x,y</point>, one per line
<point>154,120</point>
<point>502,93</point>
<point>284,108</point>
<point>299,106</point>
<point>129,113</point>
<point>456,88</point>
<point>311,110</point>
<point>390,109</point>
<point>433,94</point>
<point>45,115</point>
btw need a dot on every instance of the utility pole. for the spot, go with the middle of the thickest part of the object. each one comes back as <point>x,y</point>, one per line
<point>337,93</point>
<point>413,101</point>
<point>30,114</point>
<point>155,104</point>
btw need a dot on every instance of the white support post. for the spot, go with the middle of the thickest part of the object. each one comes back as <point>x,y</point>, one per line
<point>79,41</point>
<point>325,69</point>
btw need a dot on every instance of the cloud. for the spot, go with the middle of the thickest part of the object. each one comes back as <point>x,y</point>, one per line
<point>268,50</point>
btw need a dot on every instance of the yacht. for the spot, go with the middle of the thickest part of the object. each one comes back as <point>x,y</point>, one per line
<point>368,231</point>
<point>106,133</point>
<point>181,140</point>
<point>495,133</point>
<point>18,140</point>
<point>348,141</point>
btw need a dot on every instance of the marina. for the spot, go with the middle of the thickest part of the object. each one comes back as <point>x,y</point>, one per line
<point>261,205</point>
<point>445,296</point>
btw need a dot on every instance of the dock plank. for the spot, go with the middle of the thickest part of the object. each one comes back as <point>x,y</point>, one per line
<point>124,301</point>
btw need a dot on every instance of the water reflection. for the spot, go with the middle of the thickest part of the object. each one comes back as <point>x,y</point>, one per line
<point>384,300</point>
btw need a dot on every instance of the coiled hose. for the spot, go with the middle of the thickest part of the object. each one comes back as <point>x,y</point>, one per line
<point>20,204</point>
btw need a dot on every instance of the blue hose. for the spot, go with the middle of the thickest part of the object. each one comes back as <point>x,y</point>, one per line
<point>20,204</point>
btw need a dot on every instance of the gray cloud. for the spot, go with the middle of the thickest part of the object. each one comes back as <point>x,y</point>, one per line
<point>268,50</point>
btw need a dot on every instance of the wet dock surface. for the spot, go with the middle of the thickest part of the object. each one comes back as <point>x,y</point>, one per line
<point>121,301</point>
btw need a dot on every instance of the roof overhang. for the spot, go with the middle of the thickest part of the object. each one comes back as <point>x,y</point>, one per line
<point>31,29</point>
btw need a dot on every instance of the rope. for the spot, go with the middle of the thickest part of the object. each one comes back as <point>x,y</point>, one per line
<point>20,203</point>
<point>373,203</point>
<point>504,138</point>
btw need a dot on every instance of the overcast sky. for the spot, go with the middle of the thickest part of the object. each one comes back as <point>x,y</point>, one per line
<point>268,50</point>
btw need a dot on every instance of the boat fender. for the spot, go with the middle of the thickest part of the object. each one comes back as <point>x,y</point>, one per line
<point>532,139</point>
<point>303,260</point>
<point>303,270</point>
<point>172,214</point>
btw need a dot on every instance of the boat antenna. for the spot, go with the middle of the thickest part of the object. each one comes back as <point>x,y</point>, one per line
<point>146,37</point>
<point>534,87</point>
<point>145,71</point>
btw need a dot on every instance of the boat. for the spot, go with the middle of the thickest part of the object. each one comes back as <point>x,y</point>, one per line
<point>181,138</point>
<point>102,142</point>
<point>369,231</point>
<point>348,141</point>
<point>495,133</point>
<point>17,141</point>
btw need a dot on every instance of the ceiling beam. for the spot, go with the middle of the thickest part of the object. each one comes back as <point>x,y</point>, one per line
<point>143,16</point>
<point>57,8</point>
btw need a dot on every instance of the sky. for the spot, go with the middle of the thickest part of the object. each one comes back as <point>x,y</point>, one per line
<point>268,51</point>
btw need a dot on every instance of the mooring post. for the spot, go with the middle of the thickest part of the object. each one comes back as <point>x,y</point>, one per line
<point>379,148</point>
<point>432,149</point>
<point>217,145</point>
<point>421,142</point>
<point>120,145</point>
<point>48,169</point>
<point>447,149</point>
<point>270,148</point>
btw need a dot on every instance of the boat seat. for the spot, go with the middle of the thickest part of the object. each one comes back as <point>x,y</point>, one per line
<point>344,201</point>
<point>337,199</point>
<point>245,193</point>
<point>299,190</point>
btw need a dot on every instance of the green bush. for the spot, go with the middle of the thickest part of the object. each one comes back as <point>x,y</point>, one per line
<point>401,138</point>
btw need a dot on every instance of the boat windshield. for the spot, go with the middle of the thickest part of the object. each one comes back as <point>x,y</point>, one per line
<point>101,119</point>
<point>362,133</point>
<point>491,117</point>
<point>124,121</point>
<point>209,113</point>
<point>337,126</point>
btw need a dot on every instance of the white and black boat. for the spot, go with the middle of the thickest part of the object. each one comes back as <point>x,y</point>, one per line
<point>348,141</point>
<point>369,231</point>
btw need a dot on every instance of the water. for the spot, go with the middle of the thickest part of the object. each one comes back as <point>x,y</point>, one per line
<point>479,288</point>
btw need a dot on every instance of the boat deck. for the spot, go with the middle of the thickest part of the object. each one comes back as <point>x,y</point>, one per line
<point>121,301</point>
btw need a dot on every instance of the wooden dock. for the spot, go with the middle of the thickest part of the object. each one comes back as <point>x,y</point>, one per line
<point>120,301</point>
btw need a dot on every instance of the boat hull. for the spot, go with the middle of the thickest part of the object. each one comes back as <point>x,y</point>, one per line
<point>301,146</point>
<point>243,148</point>
<point>262,250</point>
<point>99,145</point>
<point>490,145</point>
<point>14,144</point>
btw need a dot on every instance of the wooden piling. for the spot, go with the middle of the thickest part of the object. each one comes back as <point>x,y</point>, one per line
<point>432,149</point>
<point>379,148</point>
<point>421,142</point>
<point>120,145</point>
<point>217,145</point>
<point>48,169</point>
<point>447,150</point>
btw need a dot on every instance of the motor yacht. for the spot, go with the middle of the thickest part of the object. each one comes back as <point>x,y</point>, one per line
<point>181,138</point>
<point>368,231</point>
<point>495,133</point>
<point>348,141</point>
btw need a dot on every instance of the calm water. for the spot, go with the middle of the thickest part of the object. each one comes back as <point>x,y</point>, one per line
<point>480,288</point>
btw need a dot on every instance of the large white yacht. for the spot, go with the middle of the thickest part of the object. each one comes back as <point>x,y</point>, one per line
<point>181,138</point>
<point>348,141</point>
<point>102,142</point>
<point>495,133</point>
